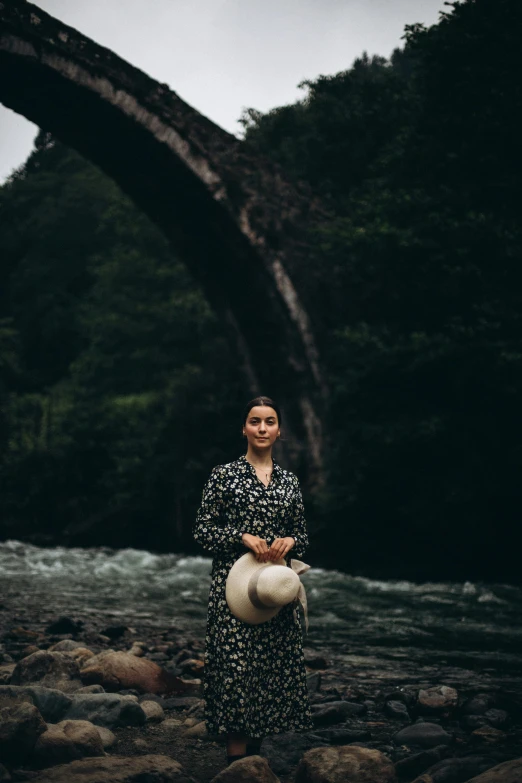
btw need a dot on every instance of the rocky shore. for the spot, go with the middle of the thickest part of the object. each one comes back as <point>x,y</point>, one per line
<point>84,701</point>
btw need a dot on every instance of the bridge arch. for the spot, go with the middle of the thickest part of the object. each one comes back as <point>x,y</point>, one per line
<point>232,217</point>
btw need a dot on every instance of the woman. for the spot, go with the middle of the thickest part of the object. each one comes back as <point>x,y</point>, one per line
<point>254,678</point>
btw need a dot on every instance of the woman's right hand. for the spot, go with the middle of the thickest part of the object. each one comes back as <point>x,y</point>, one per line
<point>258,546</point>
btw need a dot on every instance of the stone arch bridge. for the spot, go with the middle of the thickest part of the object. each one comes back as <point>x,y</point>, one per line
<point>234,218</point>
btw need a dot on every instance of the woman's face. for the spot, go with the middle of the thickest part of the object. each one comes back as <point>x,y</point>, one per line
<point>261,427</point>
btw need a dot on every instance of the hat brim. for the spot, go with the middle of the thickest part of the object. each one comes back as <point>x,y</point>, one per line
<point>237,596</point>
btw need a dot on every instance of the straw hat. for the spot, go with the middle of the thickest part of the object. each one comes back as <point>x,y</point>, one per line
<point>256,592</point>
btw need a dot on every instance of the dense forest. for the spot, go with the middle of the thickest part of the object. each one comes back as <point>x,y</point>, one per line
<point>119,390</point>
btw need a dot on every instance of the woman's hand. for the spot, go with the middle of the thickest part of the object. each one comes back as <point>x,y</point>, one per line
<point>258,546</point>
<point>280,547</point>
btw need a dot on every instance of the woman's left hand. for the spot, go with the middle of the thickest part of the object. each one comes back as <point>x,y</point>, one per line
<point>280,547</point>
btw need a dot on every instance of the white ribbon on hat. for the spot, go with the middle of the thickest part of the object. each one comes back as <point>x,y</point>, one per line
<point>300,568</point>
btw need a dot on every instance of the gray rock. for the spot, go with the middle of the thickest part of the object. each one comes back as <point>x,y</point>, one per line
<point>253,769</point>
<point>406,697</point>
<point>50,702</point>
<point>345,763</point>
<point>116,769</point>
<point>5,776</point>
<point>425,734</point>
<point>397,709</point>
<point>335,712</point>
<point>48,669</point>
<point>106,709</point>
<point>456,770</point>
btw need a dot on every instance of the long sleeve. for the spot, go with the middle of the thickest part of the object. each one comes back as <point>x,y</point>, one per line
<point>297,525</point>
<point>211,529</point>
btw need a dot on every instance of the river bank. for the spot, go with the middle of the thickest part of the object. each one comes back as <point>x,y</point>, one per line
<point>443,660</point>
<point>458,717</point>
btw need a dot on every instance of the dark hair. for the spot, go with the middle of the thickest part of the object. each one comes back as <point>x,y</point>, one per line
<point>262,401</point>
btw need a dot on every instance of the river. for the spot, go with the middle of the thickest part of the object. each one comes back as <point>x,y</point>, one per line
<point>457,633</point>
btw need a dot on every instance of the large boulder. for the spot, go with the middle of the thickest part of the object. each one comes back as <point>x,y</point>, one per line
<point>106,709</point>
<point>116,769</point>
<point>507,772</point>
<point>252,769</point>
<point>50,702</point>
<point>20,726</point>
<point>67,741</point>
<point>425,734</point>
<point>117,670</point>
<point>345,763</point>
<point>49,669</point>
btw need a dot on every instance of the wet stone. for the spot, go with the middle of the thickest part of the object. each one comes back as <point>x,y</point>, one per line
<point>397,709</point>
<point>343,735</point>
<point>424,734</point>
<point>335,712</point>
<point>415,763</point>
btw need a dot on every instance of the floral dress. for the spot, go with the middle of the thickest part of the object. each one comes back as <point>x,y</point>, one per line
<point>254,680</point>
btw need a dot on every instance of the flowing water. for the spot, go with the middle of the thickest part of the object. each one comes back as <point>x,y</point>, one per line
<point>400,632</point>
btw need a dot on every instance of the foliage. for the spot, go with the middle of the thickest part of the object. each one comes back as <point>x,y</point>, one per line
<point>112,359</point>
<point>419,283</point>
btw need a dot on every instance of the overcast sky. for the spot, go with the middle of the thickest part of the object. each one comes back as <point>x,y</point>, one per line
<point>222,56</point>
